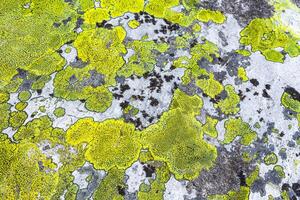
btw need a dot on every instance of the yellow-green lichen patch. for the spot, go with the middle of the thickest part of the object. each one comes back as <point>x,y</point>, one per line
<point>243,52</point>
<point>210,86</point>
<point>94,16</point>
<point>112,143</point>
<point>25,173</point>
<point>265,35</point>
<point>209,128</point>
<point>279,169</point>
<point>242,74</point>
<point>111,186</point>
<point>118,8</point>
<point>177,138</point>
<point>237,127</point>
<point>230,104</point>
<point>290,103</point>
<point>4,97</point>
<point>37,130</point>
<point>133,24</point>
<point>24,95</point>
<point>101,49</point>
<point>21,106</point>
<point>270,159</point>
<point>4,117</point>
<point>17,118</point>
<point>78,84</point>
<point>30,37</point>
<point>143,59</point>
<point>59,112</point>
<point>210,15</point>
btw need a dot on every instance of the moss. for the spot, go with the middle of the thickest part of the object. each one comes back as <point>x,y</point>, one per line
<point>37,39</point>
<point>111,186</point>
<point>72,192</point>
<point>112,143</point>
<point>209,128</point>
<point>17,118</point>
<point>242,74</point>
<point>230,104</point>
<point>270,159</point>
<point>265,35</point>
<point>177,140</point>
<point>236,127</point>
<point>21,106</point>
<point>210,15</point>
<point>133,24</point>
<point>59,112</point>
<point>24,95</point>
<point>279,169</point>
<point>144,58</point>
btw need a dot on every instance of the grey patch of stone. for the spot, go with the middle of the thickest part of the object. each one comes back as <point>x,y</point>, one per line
<point>96,79</point>
<point>97,177</point>
<point>78,63</point>
<point>243,10</point>
<point>224,176</point>
<point>297,2</point>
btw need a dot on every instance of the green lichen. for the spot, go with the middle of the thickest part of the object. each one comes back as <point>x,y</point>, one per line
<point>177,140</point>
<point>236,127</point>
<point>112,143</point>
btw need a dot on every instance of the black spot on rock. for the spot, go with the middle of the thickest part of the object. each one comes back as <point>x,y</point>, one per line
<point>149,170</point>
<point>254,82</point>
